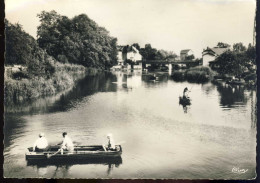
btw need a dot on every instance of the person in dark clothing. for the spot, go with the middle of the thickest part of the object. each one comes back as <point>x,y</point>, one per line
<point>185,93</point>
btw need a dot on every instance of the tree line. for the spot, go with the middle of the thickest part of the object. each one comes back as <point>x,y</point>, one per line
<point>150,53</point>
<point>239,61</point>
<point>78,40</point>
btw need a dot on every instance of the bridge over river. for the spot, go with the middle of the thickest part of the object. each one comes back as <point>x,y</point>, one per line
<point>169,63</point>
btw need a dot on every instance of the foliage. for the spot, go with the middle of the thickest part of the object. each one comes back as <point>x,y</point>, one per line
<point>30,88</point>
<point>238,61</point>
<point>239,47</point>
<point>22,49</point>
<point>199,74</point>
<point>222,45</point>
<point>251,76</point>
<point>190,57</point>
<point>41,75</point>
<point>200,60</point>
<point>251,54</point>
<point>150,53</point>
<point>178,75</point>
<point>137,46</point>
<point>77,40</point>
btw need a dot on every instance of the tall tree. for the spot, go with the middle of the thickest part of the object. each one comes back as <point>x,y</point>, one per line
<point>137,46</point>
<point>222,45</point>
<point>78,40</point>
<point>239,47</point>
<point>21,48</point>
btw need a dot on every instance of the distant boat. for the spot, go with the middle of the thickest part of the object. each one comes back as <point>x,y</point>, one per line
<point>184,101</point>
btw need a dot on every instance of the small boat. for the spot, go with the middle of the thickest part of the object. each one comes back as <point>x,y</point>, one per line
<point>184,101</point>
<point>80,152</point>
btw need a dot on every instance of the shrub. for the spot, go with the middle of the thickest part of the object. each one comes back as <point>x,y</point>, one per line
<point>197,76</point>
<point>178,75</point>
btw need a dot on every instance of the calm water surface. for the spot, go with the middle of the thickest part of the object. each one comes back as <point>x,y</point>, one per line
<point>160,138</point>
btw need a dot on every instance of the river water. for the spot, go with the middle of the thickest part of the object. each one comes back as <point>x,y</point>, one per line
<point>214,137</point>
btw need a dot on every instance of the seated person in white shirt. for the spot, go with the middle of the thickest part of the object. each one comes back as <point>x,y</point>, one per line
<point>67,143</point>
<point>40,144</point>
<point>111,143</point>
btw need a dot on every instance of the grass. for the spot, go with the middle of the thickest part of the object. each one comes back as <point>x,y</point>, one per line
<point>31,88</point>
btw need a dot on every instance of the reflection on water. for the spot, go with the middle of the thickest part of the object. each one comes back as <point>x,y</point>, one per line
<point>231,96</point>
<point>163,139</point>
<point>65,100</point>
<point>61,166</point>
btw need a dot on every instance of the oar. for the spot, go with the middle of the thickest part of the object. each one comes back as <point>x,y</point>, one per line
<point>50,155</point>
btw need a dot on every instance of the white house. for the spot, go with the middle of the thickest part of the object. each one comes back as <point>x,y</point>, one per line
<point>185,53</point>
<point>132,54</point>
<point>210,54</point>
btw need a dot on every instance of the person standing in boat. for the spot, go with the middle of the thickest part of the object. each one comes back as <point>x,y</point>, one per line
<point>185,93</point>
<point>40,144</point>
<point>111,143</point>
<point>67,143</point>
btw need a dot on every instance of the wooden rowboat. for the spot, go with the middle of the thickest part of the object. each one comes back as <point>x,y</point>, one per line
<point>80,152</point>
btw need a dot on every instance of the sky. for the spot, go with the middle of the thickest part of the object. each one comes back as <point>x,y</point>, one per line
<point>172,25</point>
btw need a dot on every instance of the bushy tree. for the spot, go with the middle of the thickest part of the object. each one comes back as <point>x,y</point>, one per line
<point>22,49</point>
<point>222,45</point>
<point>232,63</point>
<point>150,53</point>
<point>251,54</point>
<point>78,40</point>
<point>239,47</point>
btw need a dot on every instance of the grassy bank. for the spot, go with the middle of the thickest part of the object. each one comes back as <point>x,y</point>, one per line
<point>197,74</point>
<point>18,90</point>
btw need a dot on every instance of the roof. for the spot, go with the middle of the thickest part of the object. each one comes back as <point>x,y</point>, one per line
<point>185,51</point>
<point>214,51</point>
<point>129,49</point>
<point>218,50</point>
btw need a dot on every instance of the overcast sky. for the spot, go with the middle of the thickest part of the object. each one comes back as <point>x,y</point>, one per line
<point>172,25</point>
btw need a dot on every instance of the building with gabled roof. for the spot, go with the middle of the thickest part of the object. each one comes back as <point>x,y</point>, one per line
<point>210,54</point>
<point>131,53</point>
<point>185,53</point>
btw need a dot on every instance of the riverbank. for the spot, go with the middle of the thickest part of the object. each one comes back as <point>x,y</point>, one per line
<point>202,74</point>
<point>17,91</point>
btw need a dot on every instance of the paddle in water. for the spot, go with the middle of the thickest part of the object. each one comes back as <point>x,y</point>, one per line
<point>50,155</point>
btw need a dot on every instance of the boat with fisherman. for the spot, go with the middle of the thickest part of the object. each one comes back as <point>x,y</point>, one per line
<point>79,152</point>
<point>184,101</point>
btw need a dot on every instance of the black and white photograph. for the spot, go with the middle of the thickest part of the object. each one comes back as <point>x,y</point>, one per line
<point>130,89</point>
